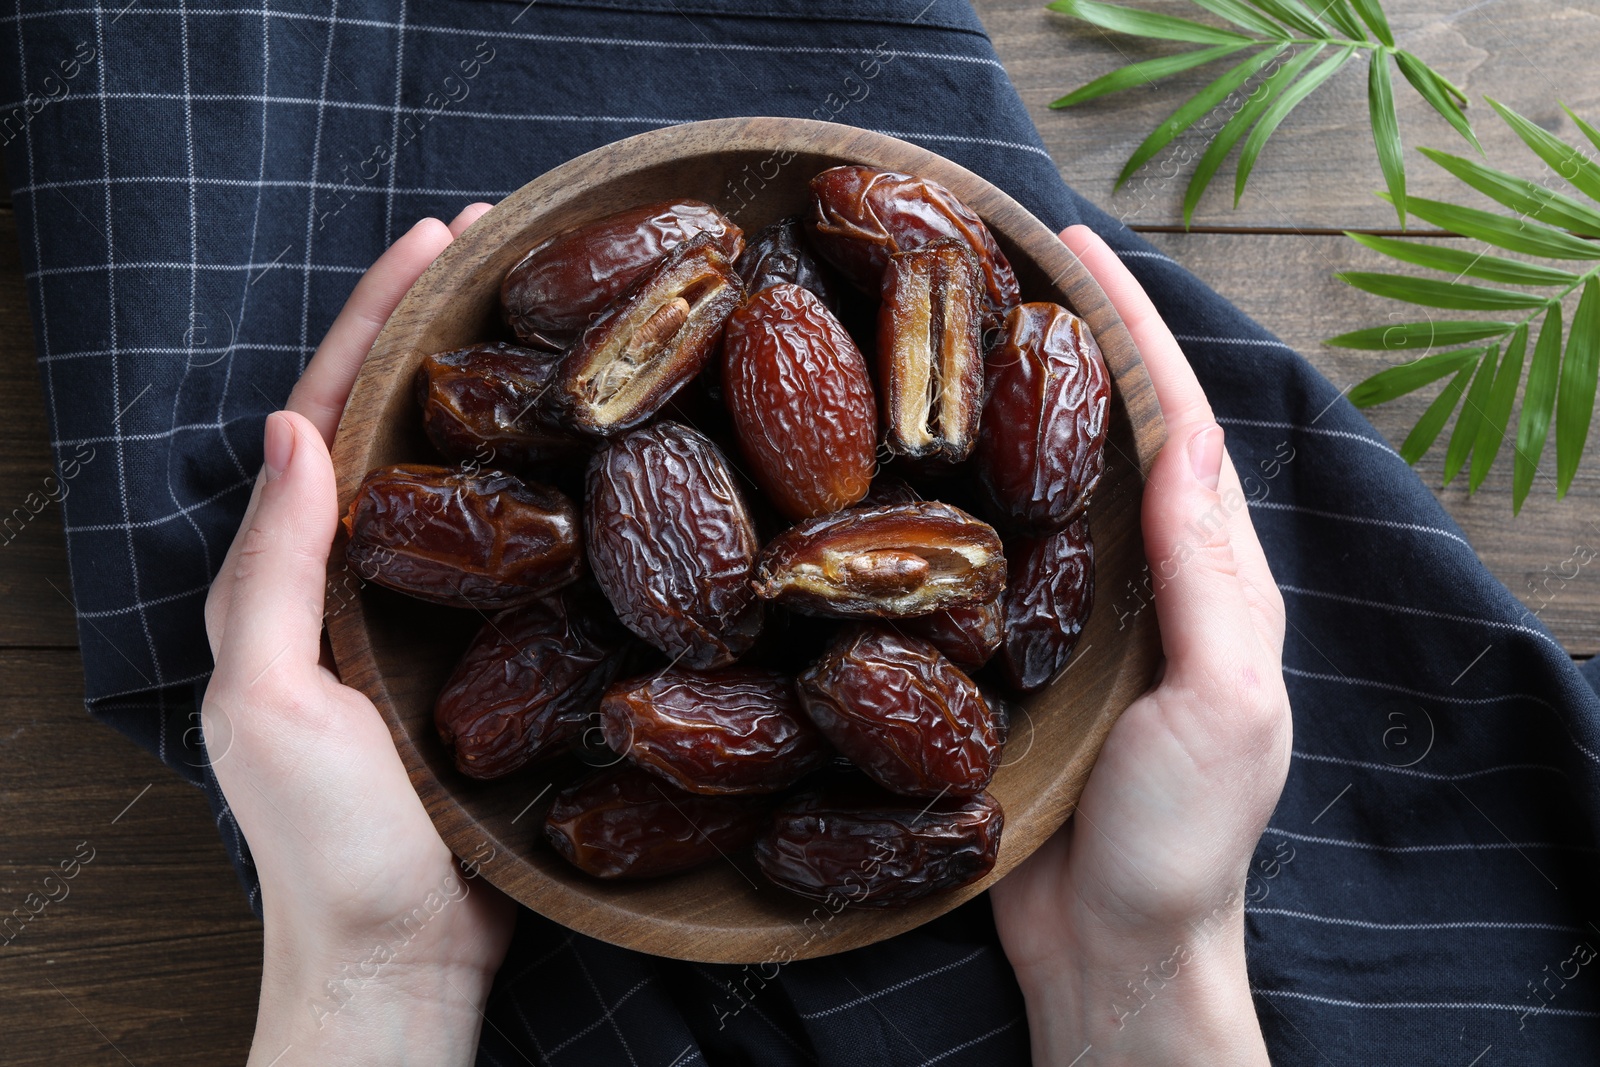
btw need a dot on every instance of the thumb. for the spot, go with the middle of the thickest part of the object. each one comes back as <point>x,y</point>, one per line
<point>274,617</point>
<point>1200,602</point>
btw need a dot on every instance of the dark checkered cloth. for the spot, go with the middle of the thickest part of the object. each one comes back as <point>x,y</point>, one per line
<point>198,188</point>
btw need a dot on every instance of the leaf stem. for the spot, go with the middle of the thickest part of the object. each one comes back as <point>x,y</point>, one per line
<point>1555,301</point>
<point>1337,42</point>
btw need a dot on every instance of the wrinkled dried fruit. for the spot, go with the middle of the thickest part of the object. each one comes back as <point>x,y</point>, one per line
<point>527,684</point>
<point>861,216</point>
<point>862,847</point>
<point>671,543</point>
<point>780,255</point>
<point>903,713</point>
<point>885,562</point>
<point>651,342</point>
<point>481,539</point>
<point>489,405</point>
<point>930,352</point>
<point>624,823</point>
<point>560,285</point>
<point>801,402</point>
<point>1042,447</point>
<point>969,635</point>
<point>733,731</point>
<point>1047,602</point>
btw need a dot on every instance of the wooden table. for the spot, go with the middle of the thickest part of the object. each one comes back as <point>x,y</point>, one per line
<point>154,958</point>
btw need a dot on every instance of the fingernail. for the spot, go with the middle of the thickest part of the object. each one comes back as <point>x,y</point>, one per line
<point>278,444</point>
<point>1205,455</point>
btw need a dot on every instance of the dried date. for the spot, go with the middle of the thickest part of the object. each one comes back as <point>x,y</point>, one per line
<point>892,561</point>
<point>671,544</point>
<point>801,402</point>
<point>624,823</point>
<point>968,635</point>
<point>527,684</point>
<point>779,255</point>
<point>560,285</point>
<point>930,352</point>
<point>489,404</point>
<point>861,216</point>
<point>651,342</point>
<point>738,730</point>
<point>864,848</point>
<point>903,713</point>
<point>1047,602</point>
<point>1041,450</point>
<point>478,539</point>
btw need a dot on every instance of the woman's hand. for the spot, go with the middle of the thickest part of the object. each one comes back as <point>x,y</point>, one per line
<point>377,948</point>
<point>1126,929</point>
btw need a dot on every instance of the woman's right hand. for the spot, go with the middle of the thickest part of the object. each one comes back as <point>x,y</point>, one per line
<point>1126,929</point>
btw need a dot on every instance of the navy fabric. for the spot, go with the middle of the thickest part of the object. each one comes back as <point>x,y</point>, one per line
<point>198,188</point>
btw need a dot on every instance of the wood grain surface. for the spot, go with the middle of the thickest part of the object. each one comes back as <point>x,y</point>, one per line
<point>157,952</point>
<point>720,913</point>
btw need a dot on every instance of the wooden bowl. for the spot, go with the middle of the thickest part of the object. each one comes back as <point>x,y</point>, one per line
<point>399,651</point>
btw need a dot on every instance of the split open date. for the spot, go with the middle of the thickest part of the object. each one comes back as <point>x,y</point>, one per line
<point>671,508</point>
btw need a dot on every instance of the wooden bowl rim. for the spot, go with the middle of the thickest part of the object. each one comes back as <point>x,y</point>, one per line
<point>576,905</point>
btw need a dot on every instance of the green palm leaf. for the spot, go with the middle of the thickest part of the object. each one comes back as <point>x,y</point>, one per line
<point>1575,401</point>
<point>1409,377</point>
<point>1445,98</point>
<point>1237,126</point>
<point>1467,423</point>
<point>1520,195</point>
<point>1426,431</point>
<point>1374,17</point>
<point>1150,70</point>
<point>1275,24</point>
<point>1460,261</point>
<point>1430,292</point>
<point>1146,23</point>
<point>1338,12</point>
<point>1190,113</point>
<point>1565,160</point>
<point>1294,14</point>
<point>1497,412</point>
<point>1587,130</point>
<point>1414,335</point>
<point>1537,400</point>
<point>1514,235</point>
<point>1279,110</point>
<point>1386,131</point>
<point>1244,16</point>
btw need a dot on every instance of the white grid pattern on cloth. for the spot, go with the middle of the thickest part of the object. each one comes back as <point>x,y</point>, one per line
<point>116,376</point>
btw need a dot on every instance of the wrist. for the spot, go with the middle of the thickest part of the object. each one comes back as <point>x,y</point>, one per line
<point>1178,994</point>
<point>379,996</point>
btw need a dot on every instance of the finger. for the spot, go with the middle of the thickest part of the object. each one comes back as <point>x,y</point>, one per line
<point>469,214</point>
<point>1187,519</point>
<point>1260,588</point>
<point>1182,400</point>
<point>1200,601</point>
<point>274,612</point>
<point>322,390</point>
<point>321,393</point>
<point>220,595</point>
<point>1184,404</point>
